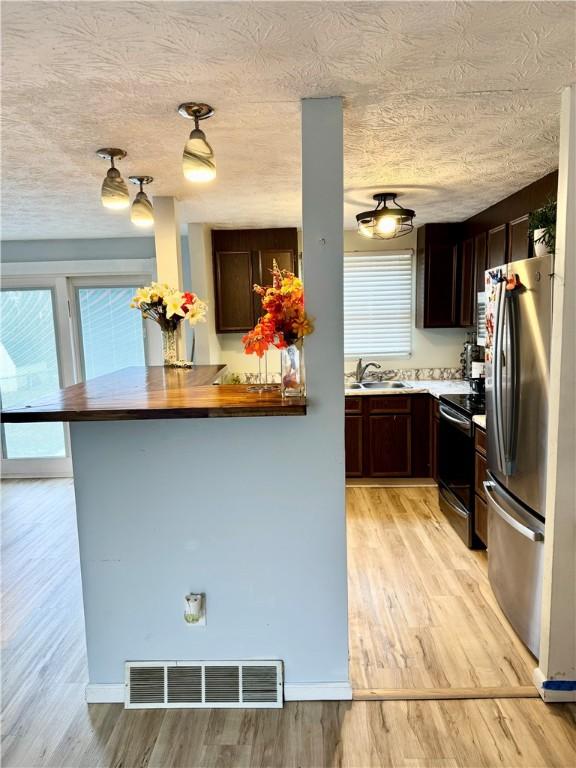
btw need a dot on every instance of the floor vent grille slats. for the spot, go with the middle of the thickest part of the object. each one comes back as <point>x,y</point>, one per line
<point>202,684</point>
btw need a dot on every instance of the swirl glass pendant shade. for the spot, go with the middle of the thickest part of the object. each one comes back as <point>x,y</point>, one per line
<point>198,157</point>
<point>142,212</point>
<point>114,194</point>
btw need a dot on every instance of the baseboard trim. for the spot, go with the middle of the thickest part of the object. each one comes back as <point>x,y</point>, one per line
<point>436,694</point>
<point>105,693</point>
<point>341,691</point>
<point>551,694</point>
<point>113,693</point>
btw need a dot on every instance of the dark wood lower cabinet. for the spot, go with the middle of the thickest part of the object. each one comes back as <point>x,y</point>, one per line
<point>389,445</point>
<point>354,435</point>
<point>388,436</point>
<point>480,467</point>
<point>434,430</point>
<point>481,519</point>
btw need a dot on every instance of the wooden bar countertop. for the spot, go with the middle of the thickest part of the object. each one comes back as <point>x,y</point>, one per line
<point>155,392</point>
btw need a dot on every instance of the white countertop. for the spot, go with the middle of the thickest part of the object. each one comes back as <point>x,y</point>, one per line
<point>431,386</point>
<point>480,420</point>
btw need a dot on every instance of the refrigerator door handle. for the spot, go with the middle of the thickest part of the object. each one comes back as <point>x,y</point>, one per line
<point>498,366</point>
<point>529,533</point>
<point>510,427</point>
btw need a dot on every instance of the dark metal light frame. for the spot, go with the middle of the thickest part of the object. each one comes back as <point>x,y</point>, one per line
<point>369,221</point>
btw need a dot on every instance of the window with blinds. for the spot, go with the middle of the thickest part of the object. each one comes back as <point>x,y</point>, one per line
<point>378,304</point>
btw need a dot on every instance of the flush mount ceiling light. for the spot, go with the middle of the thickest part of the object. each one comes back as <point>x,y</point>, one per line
<point>142,213</point>
<point>384,223</point>
<point>198,158</point>
<point>114,190</point>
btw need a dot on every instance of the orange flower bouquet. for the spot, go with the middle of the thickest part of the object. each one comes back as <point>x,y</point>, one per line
<point>283,325</point>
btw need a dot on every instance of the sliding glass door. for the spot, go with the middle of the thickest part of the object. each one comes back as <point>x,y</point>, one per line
<point>57,331</point>
<point>110,333</point>
<point>29,369</point>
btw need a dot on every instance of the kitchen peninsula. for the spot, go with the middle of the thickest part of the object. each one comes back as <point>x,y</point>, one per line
<point>172,497</point>
<point>155,392</point>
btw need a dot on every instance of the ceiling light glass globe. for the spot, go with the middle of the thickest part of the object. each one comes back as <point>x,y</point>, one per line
<point>114,191</point>
<point>198,158</point>
<point>142,213</point>
<point>387,225</point>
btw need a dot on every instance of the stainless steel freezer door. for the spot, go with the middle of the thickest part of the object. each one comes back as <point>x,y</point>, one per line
<point>517,373</point>
<point>515,560</point>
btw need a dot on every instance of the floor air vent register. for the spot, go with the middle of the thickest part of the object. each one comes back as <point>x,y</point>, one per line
<point>203,684</point>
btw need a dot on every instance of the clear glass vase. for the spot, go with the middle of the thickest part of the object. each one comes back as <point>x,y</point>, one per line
<point>292,370</point>
<point>170,345</point>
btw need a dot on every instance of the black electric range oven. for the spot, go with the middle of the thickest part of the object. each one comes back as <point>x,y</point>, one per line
<point>456,462</point>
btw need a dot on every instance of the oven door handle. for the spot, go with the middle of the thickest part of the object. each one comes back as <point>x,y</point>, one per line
<point>463,422</point>
<point>453,502</point>
<point>529,533</point>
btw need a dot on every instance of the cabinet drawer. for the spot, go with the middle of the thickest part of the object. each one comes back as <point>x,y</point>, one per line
<point>480,440</point>
<point>389,404</point>
<point>481,519</point>
<point>353,404</point>
<point>480,474</point>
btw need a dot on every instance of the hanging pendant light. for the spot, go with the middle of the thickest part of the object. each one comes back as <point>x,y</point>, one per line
<point>198,158</point>
<point>114,193</point>
<point>385,223</point>
<point>141,213</point>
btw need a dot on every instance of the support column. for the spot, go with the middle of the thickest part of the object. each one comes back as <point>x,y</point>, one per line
<point>168,251</point>
<point>555,676</point>
<point>207,347</point>
<point>167,242</point>
<point>323,275</point>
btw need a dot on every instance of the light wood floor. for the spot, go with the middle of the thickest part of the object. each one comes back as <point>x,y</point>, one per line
<point>47,723</point>
<point>422,614</point>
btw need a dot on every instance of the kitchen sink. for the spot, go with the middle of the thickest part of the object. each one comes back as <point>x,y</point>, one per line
<point>379,385</point>
<point>385,385</point>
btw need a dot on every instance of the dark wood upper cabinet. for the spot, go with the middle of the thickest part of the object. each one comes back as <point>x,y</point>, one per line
<point>241,258</point>
<point>437,276</point>
<point>233,280</point>
<point>497,246</point>
<point>480,257</point>
<point>519,241</point>
<point>467,283</point>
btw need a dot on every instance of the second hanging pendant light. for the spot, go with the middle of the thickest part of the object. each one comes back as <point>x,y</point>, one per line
<point>198,157</point>
<point>114,192</point>
<point>141,213</point>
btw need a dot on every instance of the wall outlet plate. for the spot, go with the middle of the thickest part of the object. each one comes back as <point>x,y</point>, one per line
<point>195,609</point>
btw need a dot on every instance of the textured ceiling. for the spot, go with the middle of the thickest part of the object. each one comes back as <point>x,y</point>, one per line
<point>453,103</point>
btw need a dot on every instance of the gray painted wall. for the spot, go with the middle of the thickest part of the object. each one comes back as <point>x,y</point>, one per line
<point>21,251</point>
<point>77,250</point>
<point>248,510</point>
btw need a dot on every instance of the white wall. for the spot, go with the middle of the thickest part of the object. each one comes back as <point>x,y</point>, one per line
<point>556,673</point>
<point>430,348</point>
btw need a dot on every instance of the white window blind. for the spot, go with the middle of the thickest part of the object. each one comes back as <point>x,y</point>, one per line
<point>378,304</point>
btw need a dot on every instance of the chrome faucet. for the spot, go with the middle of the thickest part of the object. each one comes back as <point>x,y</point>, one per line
<point>361,369</point>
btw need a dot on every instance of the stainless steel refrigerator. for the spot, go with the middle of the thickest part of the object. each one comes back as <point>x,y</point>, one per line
<point>518,323</point>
